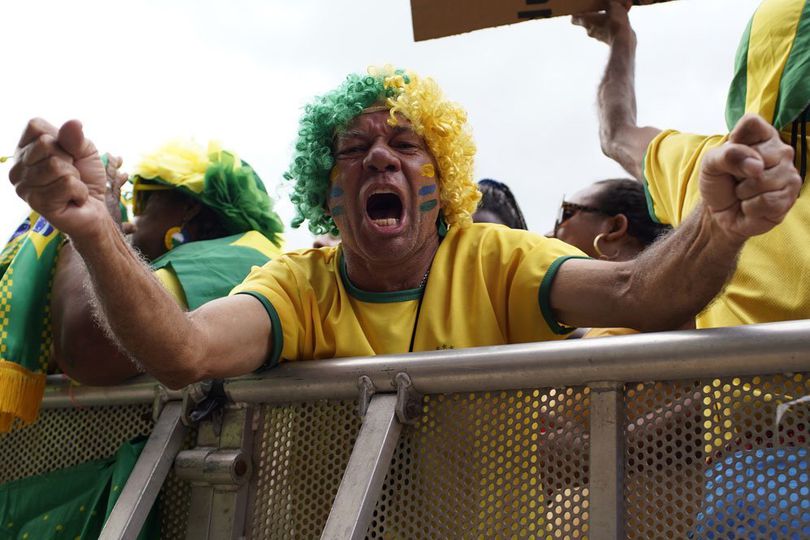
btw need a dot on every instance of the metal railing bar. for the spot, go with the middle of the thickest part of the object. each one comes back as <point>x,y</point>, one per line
<point>606,462</point>
<point>60,393</point>
<point>762,349</point>
<point>142,487</point>
<point>362,482</point>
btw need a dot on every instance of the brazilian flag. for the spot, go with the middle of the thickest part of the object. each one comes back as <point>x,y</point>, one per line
<point>27,265</point>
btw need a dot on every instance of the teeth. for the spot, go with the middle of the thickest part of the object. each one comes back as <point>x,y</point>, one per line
<point>386,222</point>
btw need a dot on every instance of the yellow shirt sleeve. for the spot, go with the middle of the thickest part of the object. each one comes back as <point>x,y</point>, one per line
<point>285,290</point>
<point>172,284</point>
<point>671,172</point>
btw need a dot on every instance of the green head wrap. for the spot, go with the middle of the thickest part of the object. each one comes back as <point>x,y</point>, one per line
<point>216,178</point>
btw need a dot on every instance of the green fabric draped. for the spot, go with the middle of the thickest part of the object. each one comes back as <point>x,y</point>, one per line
<point>72,503</point>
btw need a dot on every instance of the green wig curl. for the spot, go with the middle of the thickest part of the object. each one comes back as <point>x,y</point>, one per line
<point>443,125</point>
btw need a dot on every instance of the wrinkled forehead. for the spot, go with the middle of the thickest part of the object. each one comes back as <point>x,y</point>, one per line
<point>374,120</point>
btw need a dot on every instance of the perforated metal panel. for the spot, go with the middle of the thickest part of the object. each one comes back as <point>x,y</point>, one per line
<point>475,465</point>
<point>705,459</point>
<point>66,437</point>
<point>490,465</point>
<point>301,453</point>
<point>175,500</point>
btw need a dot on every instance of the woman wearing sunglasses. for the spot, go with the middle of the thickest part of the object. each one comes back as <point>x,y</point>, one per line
<point>608,220</point>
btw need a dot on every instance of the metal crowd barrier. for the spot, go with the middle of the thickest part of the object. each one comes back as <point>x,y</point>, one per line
<point>695,434</point>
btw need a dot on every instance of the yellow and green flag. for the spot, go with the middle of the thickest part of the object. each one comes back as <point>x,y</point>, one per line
<point>27,265</point>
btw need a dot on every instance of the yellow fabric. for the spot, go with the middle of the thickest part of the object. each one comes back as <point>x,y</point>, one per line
<point>608,332</point>
<point>772,281</point>
<point>21,391</point>
<point>180,163</point>
<point>769,46</point>
<point>259,242</point>
<point>172,284</point>
<point>483,289</point>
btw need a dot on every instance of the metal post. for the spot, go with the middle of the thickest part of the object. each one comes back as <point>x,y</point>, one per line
<point>362,482</point>
<point>142,487</point>
<point>607,461</point>
<point>219,469</point>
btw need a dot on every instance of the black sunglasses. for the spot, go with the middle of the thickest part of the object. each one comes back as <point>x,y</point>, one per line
<point>568,210</point>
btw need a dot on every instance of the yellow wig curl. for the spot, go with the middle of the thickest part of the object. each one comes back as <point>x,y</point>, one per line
<point>443,125</point>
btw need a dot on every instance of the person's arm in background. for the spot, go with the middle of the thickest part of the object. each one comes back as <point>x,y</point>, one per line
<point>60,175</point>
<point>82,347</point>
<point>747,186</point>
<point>621,138</point>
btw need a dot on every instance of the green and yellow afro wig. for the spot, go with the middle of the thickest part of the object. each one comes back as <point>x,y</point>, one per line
<point>442,123</point>
<point>215,177</point>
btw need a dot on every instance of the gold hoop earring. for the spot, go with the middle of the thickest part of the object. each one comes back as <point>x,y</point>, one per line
<point>174,237</point>
<point>599,251</point>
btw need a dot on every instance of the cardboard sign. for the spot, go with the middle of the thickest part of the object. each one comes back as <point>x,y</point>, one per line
<point>439,18</point>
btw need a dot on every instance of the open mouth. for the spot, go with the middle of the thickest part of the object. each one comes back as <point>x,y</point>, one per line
<point>384,209</point>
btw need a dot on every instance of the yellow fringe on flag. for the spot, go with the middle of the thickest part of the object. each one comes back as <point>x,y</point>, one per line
<point>21,393</point>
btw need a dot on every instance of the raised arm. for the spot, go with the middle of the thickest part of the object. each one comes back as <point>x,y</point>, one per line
<point>747,186</point>
<point>621,138</point>
<point>59,174</point>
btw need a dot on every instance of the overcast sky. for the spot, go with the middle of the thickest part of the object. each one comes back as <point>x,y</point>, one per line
<point>140,72</point>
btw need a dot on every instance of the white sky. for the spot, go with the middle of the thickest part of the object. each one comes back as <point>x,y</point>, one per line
<point>140,72</point>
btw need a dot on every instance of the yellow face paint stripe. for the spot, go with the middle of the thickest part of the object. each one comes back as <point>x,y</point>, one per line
<point>773,29</point>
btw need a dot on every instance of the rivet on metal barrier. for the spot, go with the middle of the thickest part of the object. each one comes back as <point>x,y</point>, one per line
<point>409,401</point>
<point>367,390</point>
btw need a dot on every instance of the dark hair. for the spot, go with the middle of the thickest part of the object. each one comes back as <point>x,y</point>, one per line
<point>208,223</point>
<point>625,196</point>
<point>498,199</point>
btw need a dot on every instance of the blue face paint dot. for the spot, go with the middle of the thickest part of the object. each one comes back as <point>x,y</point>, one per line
<point>338,211</point>
<point>427,190</point>
<point>336,192</point>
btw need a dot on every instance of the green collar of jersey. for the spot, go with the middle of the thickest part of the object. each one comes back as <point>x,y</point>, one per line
<point>388,297</point>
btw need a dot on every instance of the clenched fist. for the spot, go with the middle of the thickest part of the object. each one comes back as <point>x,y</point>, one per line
<point>749,183</point>
<point>60,175</point>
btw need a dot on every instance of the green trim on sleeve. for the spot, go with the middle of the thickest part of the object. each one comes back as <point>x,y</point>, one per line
<point>647,194</point>
<point>278,336</point>
<point>544,295</point>
<point>376,297</point>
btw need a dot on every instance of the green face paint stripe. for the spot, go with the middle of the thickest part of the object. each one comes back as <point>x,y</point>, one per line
<point>336,192</point>
<point>794,88</point>
<point>427,190</point>
<point>735,104</point>
<point>338,211</point>
<point>428,205</point>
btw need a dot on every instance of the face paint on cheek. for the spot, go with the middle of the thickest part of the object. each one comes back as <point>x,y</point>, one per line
<point>338,211</point>
<point>335,192</point>
<point>427,190</point>
<point>427,206</point>
<point>428,170</point>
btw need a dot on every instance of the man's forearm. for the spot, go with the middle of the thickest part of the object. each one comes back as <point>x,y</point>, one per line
<point>132,300</point>
<point>673,280</point>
